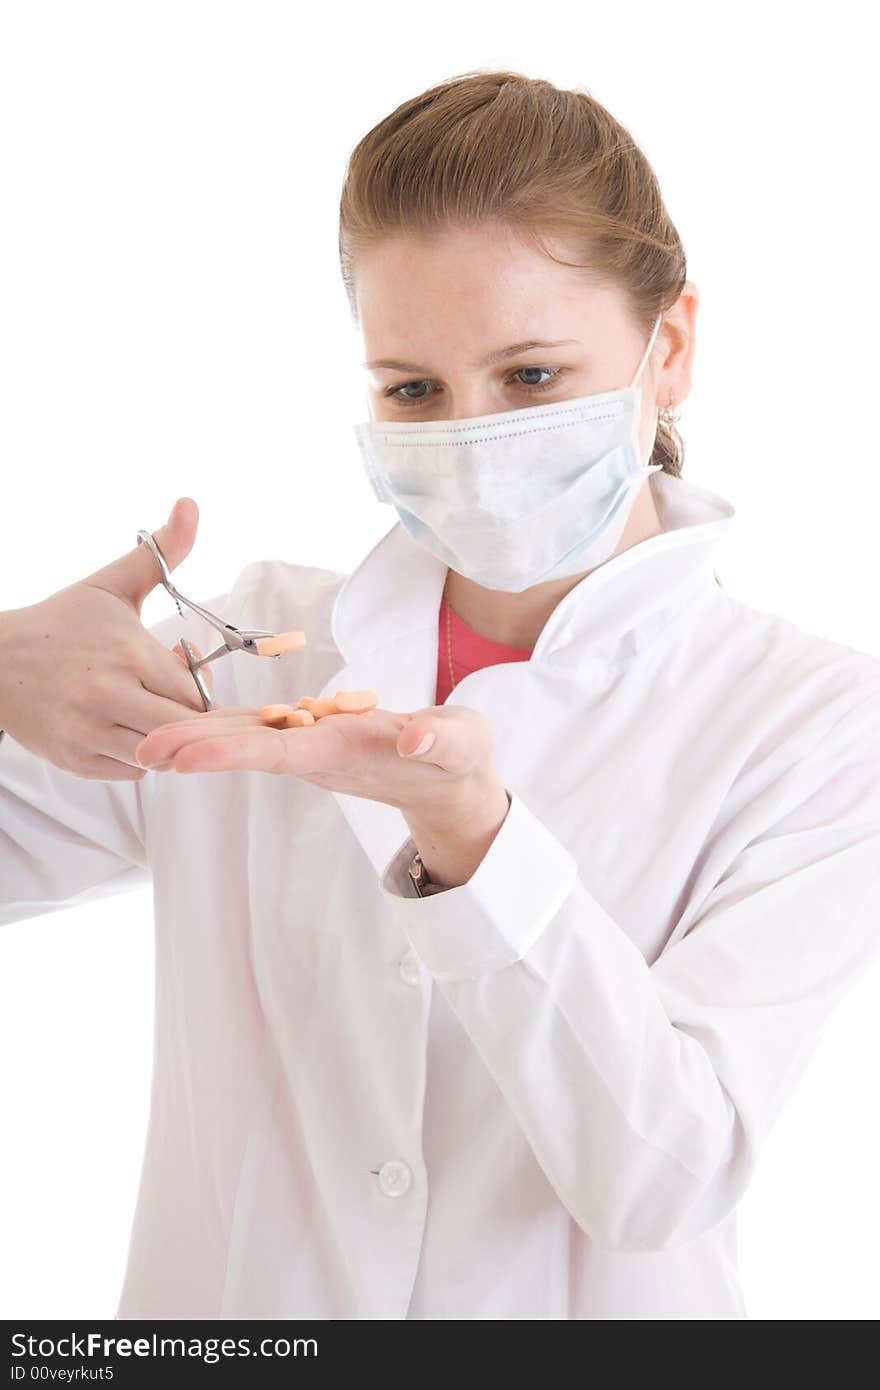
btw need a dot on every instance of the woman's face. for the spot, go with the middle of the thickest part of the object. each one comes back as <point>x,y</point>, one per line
<point>472,321</point>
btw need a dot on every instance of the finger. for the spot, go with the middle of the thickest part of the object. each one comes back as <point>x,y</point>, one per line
<point>165,742</point>
<point>142,712</point>
<point>120,742</point>
<point>140,721</point>
<point>328,744</point>
<point>255,746</point>
<point>233,739</point>
<point>228,710</point>
<point>257,749</point>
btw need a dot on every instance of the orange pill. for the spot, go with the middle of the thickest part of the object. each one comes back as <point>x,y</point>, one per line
<point>319,708</point>
<point>275,715</point>
<point>279,644</point>
<point>299,719</point>
<point>355,701</point>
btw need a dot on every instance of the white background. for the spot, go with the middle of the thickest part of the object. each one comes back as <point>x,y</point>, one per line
<point>172,322</point>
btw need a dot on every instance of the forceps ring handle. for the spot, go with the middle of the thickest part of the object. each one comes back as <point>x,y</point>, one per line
<point>192,662</point>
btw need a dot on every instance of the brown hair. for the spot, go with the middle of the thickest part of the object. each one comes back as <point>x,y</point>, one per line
<point>499,146</point>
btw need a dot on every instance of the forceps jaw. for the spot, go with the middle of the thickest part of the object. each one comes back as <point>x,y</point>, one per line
<point>249,640</point>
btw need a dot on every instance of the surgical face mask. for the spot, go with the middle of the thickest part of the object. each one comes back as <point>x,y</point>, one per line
<point>519,497</point>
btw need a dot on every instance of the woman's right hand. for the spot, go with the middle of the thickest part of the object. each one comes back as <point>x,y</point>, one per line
<point>82,681</point>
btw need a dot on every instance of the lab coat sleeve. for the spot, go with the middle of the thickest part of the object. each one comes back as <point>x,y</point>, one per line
<point>64,839</point>
<point>645,1090</point>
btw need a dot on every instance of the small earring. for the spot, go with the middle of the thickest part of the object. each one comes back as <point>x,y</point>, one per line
<point>668,415</point>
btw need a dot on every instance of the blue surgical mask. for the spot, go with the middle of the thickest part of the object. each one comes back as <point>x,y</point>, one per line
<point>521,496</point>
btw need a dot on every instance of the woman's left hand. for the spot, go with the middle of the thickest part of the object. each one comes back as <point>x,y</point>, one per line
<point>370,756</point>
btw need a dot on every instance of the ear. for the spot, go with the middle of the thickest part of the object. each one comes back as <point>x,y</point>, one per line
<point>679,338</point>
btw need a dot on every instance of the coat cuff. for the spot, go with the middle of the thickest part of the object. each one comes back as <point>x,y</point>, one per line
<point>496,917</point>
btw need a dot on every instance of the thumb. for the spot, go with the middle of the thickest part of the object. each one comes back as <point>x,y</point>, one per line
<point>455,738</point>
<point>134,574</point>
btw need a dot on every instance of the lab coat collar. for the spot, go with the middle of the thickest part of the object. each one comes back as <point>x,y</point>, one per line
<point>385,616</point>
<point>392,597</point>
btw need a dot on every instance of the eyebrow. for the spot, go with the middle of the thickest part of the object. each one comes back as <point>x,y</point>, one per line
<point>513,350</point>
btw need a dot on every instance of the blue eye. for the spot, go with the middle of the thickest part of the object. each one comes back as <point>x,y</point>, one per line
<point>402,394</point>
<point>532,384</point>
<point>400,389</point>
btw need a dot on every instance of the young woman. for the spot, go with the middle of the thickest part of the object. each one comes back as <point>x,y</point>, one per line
<point>482,1006</point>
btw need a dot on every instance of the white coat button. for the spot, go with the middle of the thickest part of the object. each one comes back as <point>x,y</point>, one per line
<point>410,970</point>
<point>394,1177</point>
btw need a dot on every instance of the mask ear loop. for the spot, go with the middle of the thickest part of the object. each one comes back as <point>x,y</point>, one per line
<point>647,353</point>
<point>669,408</point>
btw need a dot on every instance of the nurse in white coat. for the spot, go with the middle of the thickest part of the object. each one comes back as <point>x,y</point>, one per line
<point>535,1086</point>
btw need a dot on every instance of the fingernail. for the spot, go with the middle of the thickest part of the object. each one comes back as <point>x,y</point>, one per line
<point>426,743</point>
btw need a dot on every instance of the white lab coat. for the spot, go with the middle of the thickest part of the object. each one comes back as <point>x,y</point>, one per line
<point>541,1094</point>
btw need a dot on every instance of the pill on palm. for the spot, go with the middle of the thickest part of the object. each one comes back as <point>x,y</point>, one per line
<point>299,719</point>
<point>310,709</point>
<point>318,707</point>
<point>355,701</point>
<point>275,715</point>
<point>279,644</point>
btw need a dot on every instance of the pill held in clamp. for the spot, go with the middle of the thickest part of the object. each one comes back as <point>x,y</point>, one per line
<point>279,644</point>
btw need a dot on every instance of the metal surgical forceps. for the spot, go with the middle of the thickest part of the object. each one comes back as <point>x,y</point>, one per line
<point>234,640</point>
